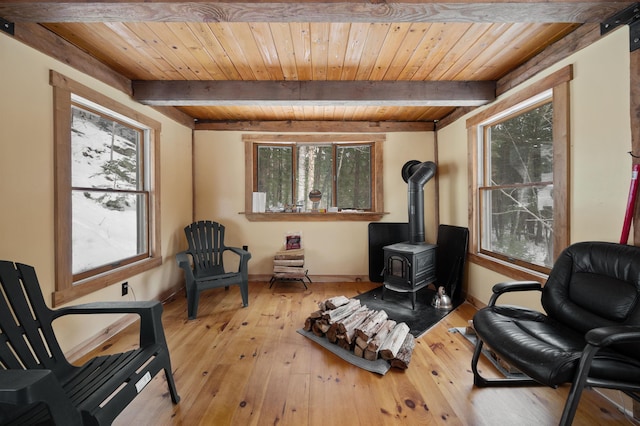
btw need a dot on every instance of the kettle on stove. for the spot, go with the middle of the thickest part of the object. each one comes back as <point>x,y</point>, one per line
<point>441,300</point>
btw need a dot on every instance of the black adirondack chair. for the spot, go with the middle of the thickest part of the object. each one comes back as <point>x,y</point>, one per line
<point>37,383</point>
<point>206,268</point>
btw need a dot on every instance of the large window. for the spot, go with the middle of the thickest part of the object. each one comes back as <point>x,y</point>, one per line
<point>309,176</point>
<point>106,214</point>
<point>315,174</point>
<point>519,201</point>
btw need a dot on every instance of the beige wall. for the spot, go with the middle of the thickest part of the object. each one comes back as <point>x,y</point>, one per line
<point>331,248</point>
<point>600,172</point>
<point>599,159</point>
<point>27,173</point>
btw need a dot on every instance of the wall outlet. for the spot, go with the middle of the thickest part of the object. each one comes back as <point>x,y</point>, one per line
<point>125,288</point>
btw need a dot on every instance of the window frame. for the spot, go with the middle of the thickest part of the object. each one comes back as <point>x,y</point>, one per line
<point>66,289</point>
<point>558,83</point>
<point>377,202</point>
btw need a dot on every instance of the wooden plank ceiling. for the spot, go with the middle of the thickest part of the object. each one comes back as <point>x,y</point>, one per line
<point>411,65</point>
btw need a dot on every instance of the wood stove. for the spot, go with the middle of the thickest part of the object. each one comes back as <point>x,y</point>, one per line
<point>411,265</point>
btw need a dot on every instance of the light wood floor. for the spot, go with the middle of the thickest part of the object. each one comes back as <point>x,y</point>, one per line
<point>248,366</point>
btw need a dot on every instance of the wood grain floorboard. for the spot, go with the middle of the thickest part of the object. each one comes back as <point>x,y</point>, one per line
<point>249,366</point>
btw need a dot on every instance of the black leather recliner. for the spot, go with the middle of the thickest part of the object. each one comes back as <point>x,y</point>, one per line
<point>589,334</point>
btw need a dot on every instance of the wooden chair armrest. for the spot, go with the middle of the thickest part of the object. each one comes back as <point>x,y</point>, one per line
<point>150,312</point>
<point>25,387</point>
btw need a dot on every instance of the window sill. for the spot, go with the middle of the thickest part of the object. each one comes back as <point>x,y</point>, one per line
<point>314,217</point>
<point>98,282</point>
<point>510,271</point>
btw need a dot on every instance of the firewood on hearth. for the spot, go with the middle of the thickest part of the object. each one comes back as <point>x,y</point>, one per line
<point>333,303</point>
<point>370,327</point>
<point>403,357</point>
<point>389,349</point>
<point>320,328</point>
<point>342,312</point>
<point>371,351</point>
<point>308,324</point>
<point>313,317</point>
<point>361,343</point>
<point>348,326</point>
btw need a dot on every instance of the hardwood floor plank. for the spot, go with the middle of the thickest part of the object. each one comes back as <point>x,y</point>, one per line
<point>249,366</point>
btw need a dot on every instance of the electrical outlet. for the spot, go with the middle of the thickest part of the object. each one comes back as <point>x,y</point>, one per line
<point>125,288</point>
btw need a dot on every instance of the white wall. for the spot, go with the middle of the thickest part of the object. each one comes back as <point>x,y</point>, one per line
<point>27,176</point>
<point>600,166</point>
<point>331,248</point>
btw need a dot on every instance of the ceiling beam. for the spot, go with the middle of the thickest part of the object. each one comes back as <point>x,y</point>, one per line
<point>318,126</point>
<point>508,11</point>
<point>314,93</point>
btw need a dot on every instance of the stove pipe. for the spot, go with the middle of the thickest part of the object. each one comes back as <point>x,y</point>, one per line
<point>417,174</point>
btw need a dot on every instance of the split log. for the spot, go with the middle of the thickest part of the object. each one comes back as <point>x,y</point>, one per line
<point>320,328</point>
<point>308,323</point>
<point>288,270</point>
<point>393,342</point>
<point>358,351</point>
<point>332,333</point>
<point>342,312</point>
<point>288,262</point>
<point>333,303</point>
<point>371,351</point>
<point>361,343</point>
<point>289,254</point>
<point>403,357</point>
<point>348,326</point>
<point>370,327</point>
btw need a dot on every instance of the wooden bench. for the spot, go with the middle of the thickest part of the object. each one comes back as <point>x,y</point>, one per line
<point>37,383</point>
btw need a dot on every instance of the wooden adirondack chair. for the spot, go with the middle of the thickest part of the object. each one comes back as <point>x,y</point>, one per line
<point>37,383</point>
<point>206,268</point>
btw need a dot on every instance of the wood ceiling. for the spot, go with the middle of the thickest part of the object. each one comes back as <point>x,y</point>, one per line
<point>223,62</point>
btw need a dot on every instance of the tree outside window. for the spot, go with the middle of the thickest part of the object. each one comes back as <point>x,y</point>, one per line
<point>107,207</point>
<point>340,173</point>
<point>519,186</point>
<point>516,193</point>
<point>109,200</point>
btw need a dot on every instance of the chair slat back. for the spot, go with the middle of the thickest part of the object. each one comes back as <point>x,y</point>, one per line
<point>206,245</point>
<point>27,340</point>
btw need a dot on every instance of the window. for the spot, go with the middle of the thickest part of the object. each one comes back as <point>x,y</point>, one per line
<point>313,174</point>
<point>297,174</point>
<point>105,191</point>
<point>519,200</point>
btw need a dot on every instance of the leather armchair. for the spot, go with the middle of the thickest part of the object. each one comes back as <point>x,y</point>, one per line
<point>588,334</point>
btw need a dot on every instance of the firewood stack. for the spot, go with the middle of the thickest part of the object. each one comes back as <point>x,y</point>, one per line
<point>367,333</point>
<point>289,264</point>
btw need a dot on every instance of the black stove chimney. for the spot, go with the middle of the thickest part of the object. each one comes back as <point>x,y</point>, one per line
<point>417,174</point>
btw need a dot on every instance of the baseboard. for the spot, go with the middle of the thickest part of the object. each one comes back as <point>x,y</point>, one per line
<point>105,334</point>
<point>318,278</point>
<point>476,303</point>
